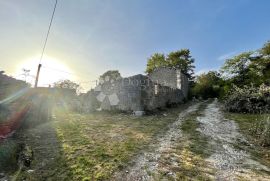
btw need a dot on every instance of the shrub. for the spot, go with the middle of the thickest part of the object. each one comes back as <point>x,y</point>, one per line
<point>249,99</point>
<point>207,85</point>
<point>261,131</point>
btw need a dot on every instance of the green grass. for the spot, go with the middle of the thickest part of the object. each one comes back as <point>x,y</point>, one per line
<point>4,112</point>
<point>194,149</point>
<point>190,152</point>
<point>96,145</point>
<point>246,123</point>
<point>8,155</point>
<point>198,142</point>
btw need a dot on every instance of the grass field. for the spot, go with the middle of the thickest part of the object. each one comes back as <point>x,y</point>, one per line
<point>73,146</point>
<point>95,146</point>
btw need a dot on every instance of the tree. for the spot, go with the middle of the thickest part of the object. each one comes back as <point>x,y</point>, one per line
<point>180,59</point>
<point>67,84</point>
<point>266,48</point>
<point>237,68</point>
<point>264,64</point>
<point>155,61</point>
<point>111,75</point>
<point>249,67</point>
<point>237,65</point>
<point>208,85</point>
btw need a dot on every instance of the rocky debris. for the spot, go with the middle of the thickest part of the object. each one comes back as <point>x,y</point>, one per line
<point>25,156</point>
<point>138,113</point>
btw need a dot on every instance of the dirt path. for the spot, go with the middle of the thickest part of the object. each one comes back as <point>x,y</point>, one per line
<point>226,162</point>
<point>230,163</point>
<point>146,164</point>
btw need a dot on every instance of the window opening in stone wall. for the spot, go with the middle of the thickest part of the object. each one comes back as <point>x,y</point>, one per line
<point>156,89</point>
<point>178,79</point>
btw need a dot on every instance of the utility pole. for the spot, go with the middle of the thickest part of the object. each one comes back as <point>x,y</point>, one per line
<point>37,76</point>
<point>45,43</point>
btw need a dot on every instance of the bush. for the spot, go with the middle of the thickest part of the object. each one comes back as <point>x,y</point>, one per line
<point>207,85</point>
<point>248,99</point>
<point>261,131</point>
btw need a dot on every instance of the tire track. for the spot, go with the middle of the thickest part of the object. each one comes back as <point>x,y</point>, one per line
<point>146,164</point>
<point>230,163</point>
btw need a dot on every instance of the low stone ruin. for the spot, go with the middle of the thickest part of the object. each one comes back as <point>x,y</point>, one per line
<point>138,93</point>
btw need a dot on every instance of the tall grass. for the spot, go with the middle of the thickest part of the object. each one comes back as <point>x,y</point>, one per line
<point>261,131</point>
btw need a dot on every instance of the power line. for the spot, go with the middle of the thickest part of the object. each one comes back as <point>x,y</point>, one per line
<point>48,32</point>
<point>58,70</point>
<point>44,46</point>
<point>77,75</point>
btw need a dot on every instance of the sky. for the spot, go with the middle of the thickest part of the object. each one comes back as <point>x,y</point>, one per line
<point>89,37</point>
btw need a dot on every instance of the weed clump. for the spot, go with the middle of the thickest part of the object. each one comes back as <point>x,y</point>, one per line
<point>261,131</point>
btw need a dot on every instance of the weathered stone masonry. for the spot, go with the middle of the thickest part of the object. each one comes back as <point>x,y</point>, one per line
<point>139,93</point>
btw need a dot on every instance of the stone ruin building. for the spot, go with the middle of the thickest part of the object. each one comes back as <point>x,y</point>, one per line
<point>138,93</point>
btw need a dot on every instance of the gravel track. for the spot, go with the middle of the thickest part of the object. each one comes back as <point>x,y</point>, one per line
<point>146,164</point>
<point>230,163</point>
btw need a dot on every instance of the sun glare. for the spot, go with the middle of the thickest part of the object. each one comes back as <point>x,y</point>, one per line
<point>52,70</point>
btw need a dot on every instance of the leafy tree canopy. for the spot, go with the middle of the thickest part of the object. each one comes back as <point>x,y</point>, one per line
<point>111,74</point>
<point>208,85</point>
<point>68,84</point>
<point>180,59</point>
<point>249,67</point>
<point>155,61</point>
<point>237,65</point>
<point>266,48</point>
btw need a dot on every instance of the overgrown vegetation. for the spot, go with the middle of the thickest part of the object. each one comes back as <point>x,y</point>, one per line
<point>8,154</point>
<point>110,75</point>
<point>67,84</point>
<point>180,59</point>
<point>256,128</point>
<point>261,131</point>
<point>208,85</point>
<point>243,82</point>
<point>249,99</point>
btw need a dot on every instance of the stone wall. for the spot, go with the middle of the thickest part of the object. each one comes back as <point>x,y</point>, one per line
<point>164,76</point>
<point>122,94</point>
<point>158,96</point>
<point>139,92</point>
<point>170,77</point>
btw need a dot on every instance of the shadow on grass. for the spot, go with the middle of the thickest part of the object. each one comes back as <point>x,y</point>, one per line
<point>72,146</point>
<point>38,133</point>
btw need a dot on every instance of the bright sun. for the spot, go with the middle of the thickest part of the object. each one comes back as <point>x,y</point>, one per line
<point>52,70</point>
